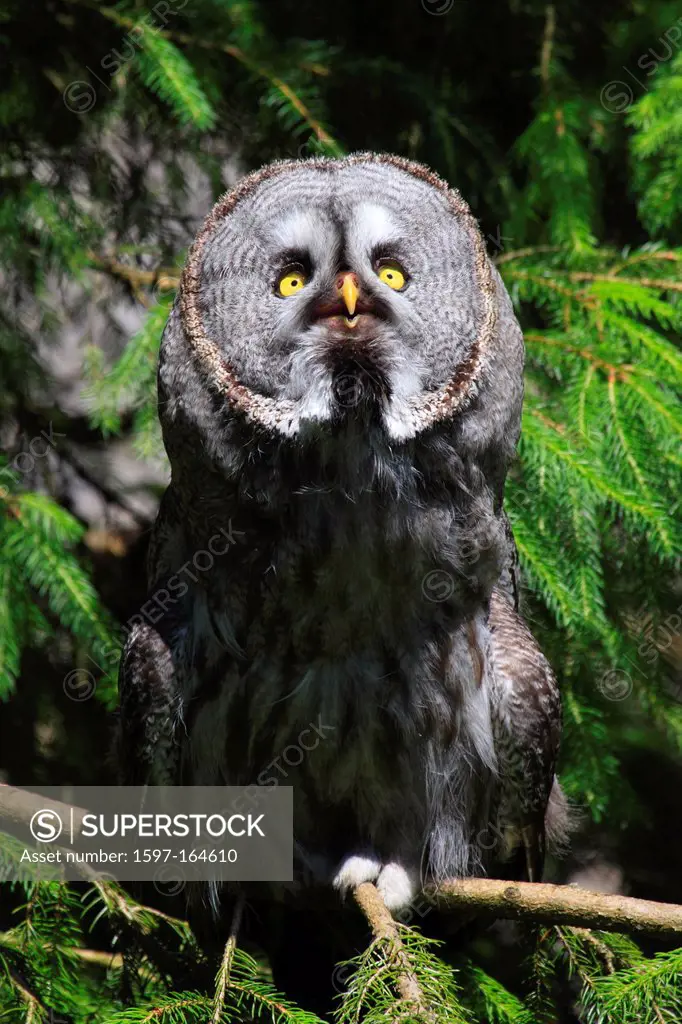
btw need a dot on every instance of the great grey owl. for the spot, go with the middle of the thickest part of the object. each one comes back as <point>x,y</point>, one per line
<point>340,391</point>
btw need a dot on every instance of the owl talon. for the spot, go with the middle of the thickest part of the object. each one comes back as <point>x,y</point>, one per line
<point>354,871</point>
<point>397,886</point>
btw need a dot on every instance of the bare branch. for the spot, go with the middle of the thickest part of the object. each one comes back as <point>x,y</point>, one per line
<point>19,805</point>
<point>161,278</point>
<point>547,46</point>
<point>558,904</point>
<point>520,254</point>
<point>662,284</point>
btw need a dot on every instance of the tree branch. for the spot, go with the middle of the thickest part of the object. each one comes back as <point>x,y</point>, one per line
<point>520,254</point>
<point>620,372</point>
<point>558,904</point>
<point>161,278</point>
<point>223,979</point>
<point>662,284</point>
<point>17,806</point>
<point>527,901</point>
<point>236,53</point>
<point>547,46</point>
<point>371,903</point>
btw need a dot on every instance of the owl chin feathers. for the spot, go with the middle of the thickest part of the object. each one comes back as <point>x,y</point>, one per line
<point>360,374</point>
<point>349,377</point>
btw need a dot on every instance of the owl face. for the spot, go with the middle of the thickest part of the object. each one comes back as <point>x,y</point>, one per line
<point>328,291</point>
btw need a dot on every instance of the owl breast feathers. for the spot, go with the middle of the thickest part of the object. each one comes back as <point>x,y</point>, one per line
<point>340,391</point>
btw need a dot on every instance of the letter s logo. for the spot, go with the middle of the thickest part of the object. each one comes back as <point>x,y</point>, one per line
<point>46,826</point>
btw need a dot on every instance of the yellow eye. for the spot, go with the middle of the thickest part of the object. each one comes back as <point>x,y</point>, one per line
<point>392,274</point>
<point>291,281</point>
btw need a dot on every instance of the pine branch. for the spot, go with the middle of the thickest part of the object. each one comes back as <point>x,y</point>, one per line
<point>492,1002</point>
<point>558,904</point>
<point>547,46</point>
<point>223,979</point>
<point>162,278</point>
<point>35,1011</point>
<point>663,284</point>
<point>537,337</point>
<point>291,97</point>
<point>529,250</point>
<point>36,535</point>
<point>168,73</point>
<point>383,926</point>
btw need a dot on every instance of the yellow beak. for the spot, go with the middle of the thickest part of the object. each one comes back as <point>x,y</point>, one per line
<point>349,292</point>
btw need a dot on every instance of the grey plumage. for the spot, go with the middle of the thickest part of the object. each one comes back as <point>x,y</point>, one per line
<point>368,589</point>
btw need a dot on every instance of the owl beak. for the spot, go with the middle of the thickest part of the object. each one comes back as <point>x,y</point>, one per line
<point>347,288</point>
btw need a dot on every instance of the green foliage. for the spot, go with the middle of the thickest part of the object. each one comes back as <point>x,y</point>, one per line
<point>603,380</point>
<point>166,71</point>
<point>657,163</point>
<point>377,991</point>
<point>46,964</point>
<point>582,209</point>
<point>43,582</point>
<point>492,1002</point>
<point>617,984</point>
<point>559,164</point>
<point>131,382</point>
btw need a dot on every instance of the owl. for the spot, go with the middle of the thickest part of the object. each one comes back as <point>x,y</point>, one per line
<point>340,392</point>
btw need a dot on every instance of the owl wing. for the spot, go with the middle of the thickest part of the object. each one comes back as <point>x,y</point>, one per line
<point>526,714</point>
<point>152,673</point>
<point>150,710</point>
<point>509,581</point>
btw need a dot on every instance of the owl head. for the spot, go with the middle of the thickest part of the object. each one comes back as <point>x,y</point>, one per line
<point>323,295</point>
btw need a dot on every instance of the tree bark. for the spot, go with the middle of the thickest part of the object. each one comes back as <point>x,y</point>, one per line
<point>557,904</point>
<point>371,902</point>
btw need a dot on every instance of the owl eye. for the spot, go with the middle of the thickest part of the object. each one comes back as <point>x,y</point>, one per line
<point>291,281</point>
<point>392,274</point>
